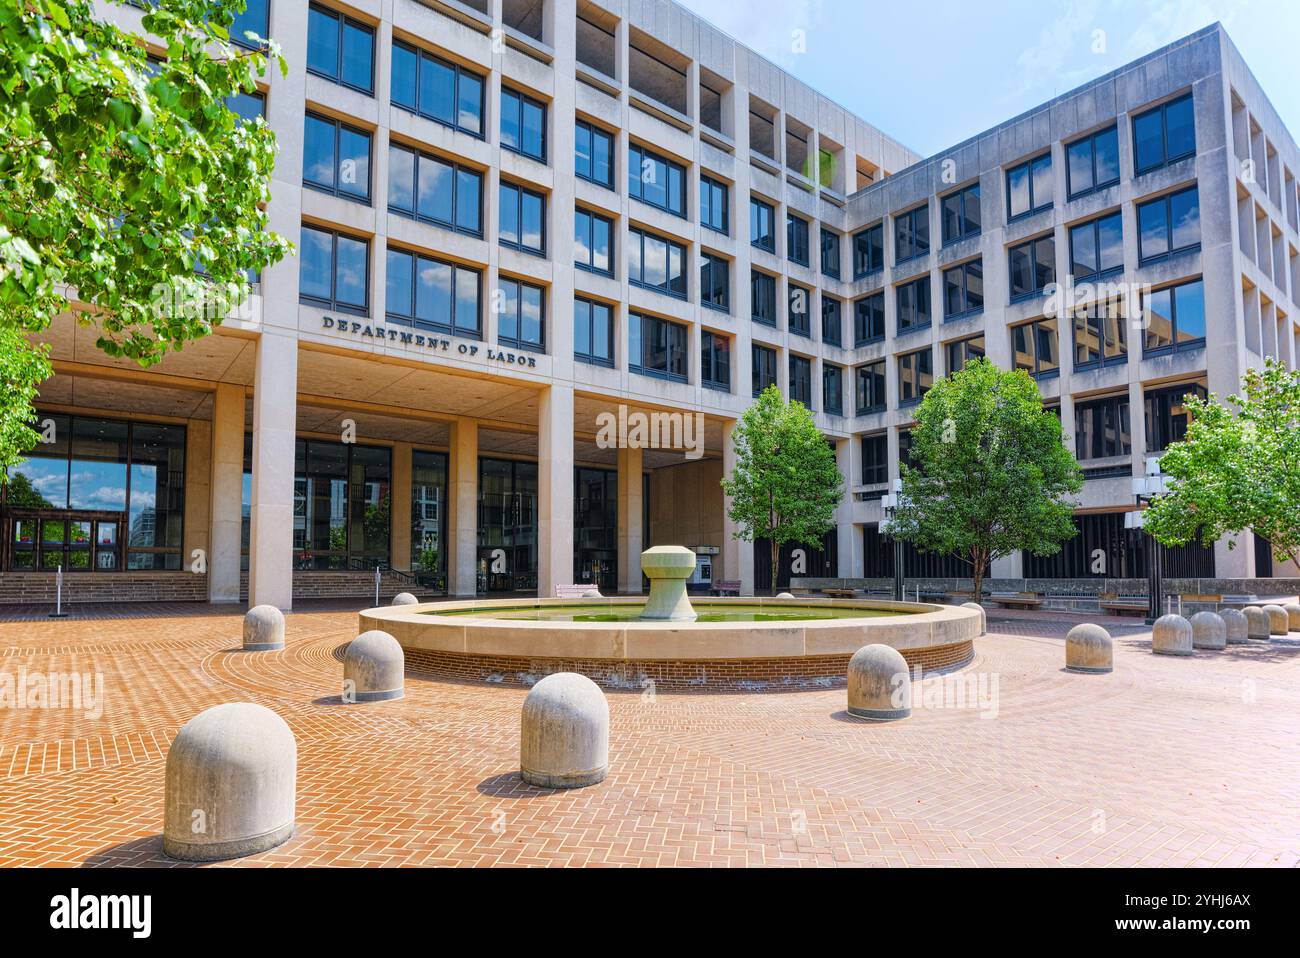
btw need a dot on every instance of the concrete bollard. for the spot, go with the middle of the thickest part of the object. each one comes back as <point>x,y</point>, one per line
<point>565,733</point>
<point>984,619</point>
<point>1171,635</point>
<point>1257,622</point>
<point>880,687</point>
<point>374,668</point>
<point>230,783</point>
<point>1293,616</point>
<point>1234,620</point>
<point>263,629</point>
<point>1209,631</point>
<point>1088,648</point>
<point>405,598</point>
<point>1279,623</point>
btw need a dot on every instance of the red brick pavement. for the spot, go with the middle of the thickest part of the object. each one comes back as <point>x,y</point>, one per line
<point>1164,762</point>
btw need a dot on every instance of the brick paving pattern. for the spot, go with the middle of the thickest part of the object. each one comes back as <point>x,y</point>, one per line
<point>1166,761</point>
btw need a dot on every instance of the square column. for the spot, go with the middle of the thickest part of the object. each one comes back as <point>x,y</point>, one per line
<point>737,554</point>
<point>848,540</point>
<point>554,489</point>
<point>275,404</point>
<point>399,508</point>
<point>462,498</point>
<point>227,493</point>
<point>630,504</point>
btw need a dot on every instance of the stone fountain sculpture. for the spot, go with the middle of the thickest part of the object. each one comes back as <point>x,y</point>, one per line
<point>668,568</point>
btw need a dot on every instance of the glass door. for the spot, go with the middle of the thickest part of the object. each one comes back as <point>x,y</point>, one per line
<point>108,555</point>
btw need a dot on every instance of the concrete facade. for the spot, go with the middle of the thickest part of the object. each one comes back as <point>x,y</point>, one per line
<point>294,369</point>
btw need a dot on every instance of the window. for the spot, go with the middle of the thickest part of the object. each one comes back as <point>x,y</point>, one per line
<point>656,263</point>
<point>1166,414</point>
<point>340,49</point>
<point>1029,187</point>
<point>431,294</point>
<point>869,387</point>
<point>832,321</point>
<point>962,351</point>
<point>911,234</point>
<point>868,250</point>
<point>1163,135</point>
<point>336,158</point>
<point>593,242</point>
<point>1175,318</point>
<point>762,298</point>
<point>833,389</point>
<point>339,489</point>
<point>830,254</point>
<point>437,89</point>
<point>796,239</point>
<point>961,214</point>
<point>256,18</point>
<point>963,290</point>
<point>656,347</point>
<point>1101,428</point>
<point>715,282</point>
<point>799,306</point>
<point>715,360</point>
<point>1100,335</point>
<point>593,158</point>
<point>713,205</point>
<point>523,219</point>
<point>1092,163</point>
<point>1169,225</point>
<point>427,188</point>
<point>333,270</point>
<point>593,332</point>
<point>913,305</point>
<point>1097,247</point>
<point>656,181</point>
<point>762,225</point>
<point>522,320</point>
<point>1035,348</point>
<point>869,319</point>
<point>523,124</point>
<point>915,376</point>
<point>247,106</point>
<point>1032,267</point>
<point>764,363</point>
<point>875,459</point>
<point>801,380</point>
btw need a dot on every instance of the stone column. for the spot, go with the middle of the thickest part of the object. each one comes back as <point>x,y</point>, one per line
<point>275,400</point>
<point>630,505</point>
<point>554,489</point>
<point>848,539</point>
<point>737,554</point>
<point>227,493</point>
<point>198,497</point>
<point>399,553</point>
<point>462,500</point>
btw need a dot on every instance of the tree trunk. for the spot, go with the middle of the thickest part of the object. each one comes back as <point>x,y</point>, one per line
<point>977,575</point>
<point>776,559</point>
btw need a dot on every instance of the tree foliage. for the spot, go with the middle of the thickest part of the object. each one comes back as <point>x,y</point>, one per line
<point>127,186</point>
<point>785,485</point>
<point>989,473</point>
<point>1237,467</point>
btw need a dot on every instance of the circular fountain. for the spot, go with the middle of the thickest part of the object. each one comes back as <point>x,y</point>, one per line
<point>669,640</point>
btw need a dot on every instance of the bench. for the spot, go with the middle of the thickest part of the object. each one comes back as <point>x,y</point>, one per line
<point>574,591</point>
<point>1124,604</point>
<point>726,587</point>
<point>1016,600</point>
<point>840,593</point>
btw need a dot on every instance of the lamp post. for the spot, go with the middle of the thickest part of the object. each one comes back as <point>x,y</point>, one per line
<point>1145,488</point>
<point>890,503</point>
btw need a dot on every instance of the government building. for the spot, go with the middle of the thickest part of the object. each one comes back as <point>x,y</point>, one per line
<point>519,220</point>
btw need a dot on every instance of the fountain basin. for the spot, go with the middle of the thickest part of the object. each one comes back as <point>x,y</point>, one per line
<point>482,640</point>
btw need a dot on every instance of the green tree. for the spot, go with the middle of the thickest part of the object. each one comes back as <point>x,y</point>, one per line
<point>785,486</point>
<point>989,472</point>
<point>1237,467</point>
<point>127,186</point>
<point>21,492</point>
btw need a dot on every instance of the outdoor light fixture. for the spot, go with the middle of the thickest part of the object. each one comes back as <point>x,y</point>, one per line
<point>1145,488</point>
<point>890,502</point>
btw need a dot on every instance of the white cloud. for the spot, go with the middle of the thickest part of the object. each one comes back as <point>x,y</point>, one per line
<point>1054,59</point>
<point>767,26</point>
<point>1167,20</point>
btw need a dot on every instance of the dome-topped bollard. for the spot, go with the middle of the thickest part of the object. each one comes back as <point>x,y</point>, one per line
<point>880,687</point>
<point>405,598</point>
<point>1278,621</point>
<point>1234,621</point>
<point>263,629</point>
<point>1293,616</point>
<point>984,619</point>
<point>564,741</point>
<point>230,783</point>
<point>1257,623</point>
<point>1171,635</point>
<point>1088,649</point>
<point>785,595</point>
<point>668,568</point>
<point>1209,631</point>
<point>374,668</point>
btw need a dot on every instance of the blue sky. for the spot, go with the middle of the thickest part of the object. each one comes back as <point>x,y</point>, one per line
<point>932,73</point>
